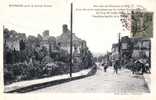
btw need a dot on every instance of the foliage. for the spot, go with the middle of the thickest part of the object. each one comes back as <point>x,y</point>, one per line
<point>33,61</point>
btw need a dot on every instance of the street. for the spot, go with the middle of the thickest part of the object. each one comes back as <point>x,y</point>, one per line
<point>102,82</point>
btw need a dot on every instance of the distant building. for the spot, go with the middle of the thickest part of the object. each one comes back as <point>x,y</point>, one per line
<point>106,59</point>
<point>64,40</point>
<point>126,49</point>
<point>22,36</point>
<point>31,42</point>
<point>134,47</point>
<point>45,35</point>
<point>52,46</point>
<point>12,44</point>
<point>13,39</point>
<point>49,44</point>
<point>115,51</point>
<point>141,47</point>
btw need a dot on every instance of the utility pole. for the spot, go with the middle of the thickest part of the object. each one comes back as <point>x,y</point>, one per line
<point>71,38</point>
<point>119,47</point>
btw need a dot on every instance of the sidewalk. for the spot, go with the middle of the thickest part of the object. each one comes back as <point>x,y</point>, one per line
<point>24,84</point>
<point>147,78</point>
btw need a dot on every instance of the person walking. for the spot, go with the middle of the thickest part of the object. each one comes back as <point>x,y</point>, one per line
<point>116,65</point>
<point>105,67</point>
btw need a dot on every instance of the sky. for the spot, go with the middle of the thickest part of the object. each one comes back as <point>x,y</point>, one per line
<point>99,33</point>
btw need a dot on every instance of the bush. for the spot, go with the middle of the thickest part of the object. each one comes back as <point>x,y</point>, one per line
<point>55,68</point>
<point>21,71</point>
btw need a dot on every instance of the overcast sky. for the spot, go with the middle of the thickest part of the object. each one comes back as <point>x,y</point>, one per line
<point>99,33</point>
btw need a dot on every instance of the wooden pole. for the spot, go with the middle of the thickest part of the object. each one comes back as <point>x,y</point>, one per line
<point>71,38</point>
<point>119,47</point>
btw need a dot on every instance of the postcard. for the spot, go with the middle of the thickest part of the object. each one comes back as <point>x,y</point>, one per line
<point>74,49</point>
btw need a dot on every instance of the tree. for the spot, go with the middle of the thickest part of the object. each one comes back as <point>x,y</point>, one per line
<point>86,57</point>
<point>22,45</point>
<point>6,33</point>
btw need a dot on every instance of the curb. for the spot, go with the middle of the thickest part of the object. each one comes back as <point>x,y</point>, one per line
<point>148,80</point>
<point>37,86</point>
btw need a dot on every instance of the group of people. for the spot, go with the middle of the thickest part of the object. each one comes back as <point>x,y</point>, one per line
<point>136,66</point>
<point>115,64</point>
<point>139,65</point>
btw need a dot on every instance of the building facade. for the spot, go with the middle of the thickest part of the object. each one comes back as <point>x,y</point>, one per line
<point>64,40</point>
<point>131,48</point>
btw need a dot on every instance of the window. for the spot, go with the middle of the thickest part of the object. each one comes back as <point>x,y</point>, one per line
<point>124,45</point>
